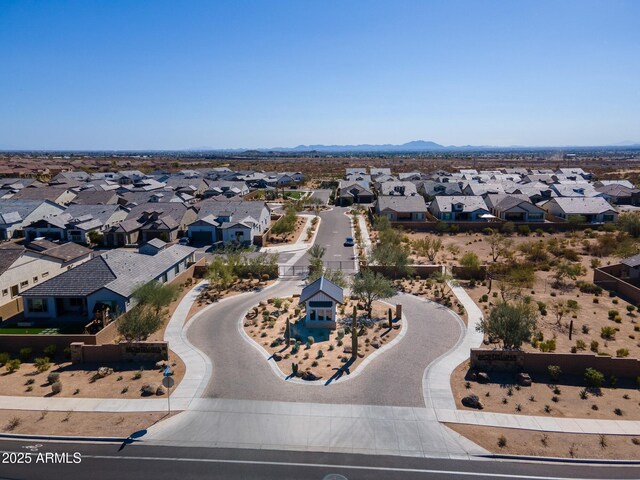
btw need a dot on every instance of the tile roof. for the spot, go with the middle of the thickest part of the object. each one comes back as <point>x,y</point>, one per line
<point>398,203</point>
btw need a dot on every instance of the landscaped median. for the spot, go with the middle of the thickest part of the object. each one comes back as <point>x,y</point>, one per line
<point>278,326</point>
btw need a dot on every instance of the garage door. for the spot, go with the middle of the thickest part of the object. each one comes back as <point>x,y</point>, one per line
<point>202,238</point>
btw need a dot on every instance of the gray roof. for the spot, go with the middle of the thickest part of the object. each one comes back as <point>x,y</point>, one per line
<point>15,210</point>
<point>95,197</point>
<point>583,205</point>
<point>120,271</point>
<point>325,286</point>
<point>470,203</point>
<point>240,210</point>
<point>157,243</point>
<point>8,255</point>
<point>631,261</point>
<point>397,203</point>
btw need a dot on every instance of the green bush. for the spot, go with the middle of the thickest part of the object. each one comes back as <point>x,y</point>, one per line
<point>554,372</point>
<point>593,377</point>
<point>56,387</point>
<point>588,287</point>
<point>50,351</point>
<point>13,365</point>
<point>53,377</point>
<point>608,333</point>
<point>622,352</point>
<point>547,346</point>
<point>42,364</point>
<point>4,358</point>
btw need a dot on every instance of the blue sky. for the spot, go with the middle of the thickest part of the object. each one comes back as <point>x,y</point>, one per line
<point>186,74</point>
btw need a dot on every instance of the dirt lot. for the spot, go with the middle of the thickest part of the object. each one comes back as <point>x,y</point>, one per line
<point>331,349</point>
<point>27,422</point>
<point>548,398</point>
<point>550,444</point>
<point>80,381</point>
<point>288,238</point>
<point>593,311</point>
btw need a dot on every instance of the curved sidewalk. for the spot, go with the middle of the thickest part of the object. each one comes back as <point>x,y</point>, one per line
<point>196,377</point>
<point>439,396</point>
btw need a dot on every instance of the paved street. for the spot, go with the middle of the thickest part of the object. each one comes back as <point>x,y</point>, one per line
<point>135,461</point>
<point>334,228</point>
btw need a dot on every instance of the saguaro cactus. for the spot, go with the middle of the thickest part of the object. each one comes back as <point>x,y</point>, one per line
<point>354,334</point>
<point>390,318</point>
<point>287,333</point>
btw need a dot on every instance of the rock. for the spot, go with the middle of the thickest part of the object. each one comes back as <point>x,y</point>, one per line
<point>483,377</point>
<point>103,372</point>
<point>472,401</point>
<point>473,377</point>
<point>148,389</point>
<point>360,355</point>
<point>160,390</point>
<point>277,357</point>
<point>309,376</point>
<point>161,364</point>
<point>347,349</point>
<point>375,343</point>
<point>524,380</point>
<point>263,303</point>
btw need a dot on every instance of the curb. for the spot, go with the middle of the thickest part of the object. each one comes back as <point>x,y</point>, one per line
<point>529,458</point>
<point>63,438</point>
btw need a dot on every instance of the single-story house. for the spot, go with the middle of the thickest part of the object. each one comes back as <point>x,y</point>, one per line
<point>22,267</point>
<point>227,188</point>
<point>105,281</point>
<point>592,209</point>
<point>399,208</point>
<point>463,208</point>
<point>514,208</point>
<point>617,194</point>
<point>15,214</point>
<point>229,222</point>
<point>320,299</point>
<point>350,192</point>
<point>397,188</point>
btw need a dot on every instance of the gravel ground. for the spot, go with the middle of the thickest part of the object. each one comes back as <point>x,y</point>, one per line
<point>394,378</point>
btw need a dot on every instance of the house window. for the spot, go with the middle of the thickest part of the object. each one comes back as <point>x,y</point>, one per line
<point>176,269</point>
<point>5,292</point>
<point>37,305</point>
<point>35,279</point>
<point>164,277</point>
<point>75,302</point>
<point>24,284</point>
<point>45,274</point>
<point>608,218</point>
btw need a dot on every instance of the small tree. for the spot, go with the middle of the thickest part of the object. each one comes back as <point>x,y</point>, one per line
<point>500,245</point>
<point>564,270</point>
<point>593,377</point>
<point>428,247</point>
<point>139,323</point>
<point>562,308</point>
<point>369,287</point>
<point>155,294</point>
<point>511,323</point>
<point>220,274</point>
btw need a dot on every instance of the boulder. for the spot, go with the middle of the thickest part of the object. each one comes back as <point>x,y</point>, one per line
<point>472,401</point>
<point>347,349</point>
<point>375,343</point>
<point>161,364</point>
<point>524,380</point>
<point>310,376</point>
<point>277,357</point>
<point>483,377</point>
<point>148,389</point>
<point>160,390</point>
<point>103,372</point>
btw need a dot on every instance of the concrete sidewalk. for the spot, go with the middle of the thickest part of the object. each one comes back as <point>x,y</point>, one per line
<point>301,244</point>
<point>363,429</point>
<point>364,231</point>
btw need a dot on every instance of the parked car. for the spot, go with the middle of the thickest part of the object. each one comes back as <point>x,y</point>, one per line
<point>184,241</point>
<point>348,242</point>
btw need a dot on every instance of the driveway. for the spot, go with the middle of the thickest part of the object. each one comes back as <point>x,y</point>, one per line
<point>394,378</point>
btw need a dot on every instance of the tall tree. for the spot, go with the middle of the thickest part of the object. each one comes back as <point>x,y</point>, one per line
<point>428,247</point>
<point>139,323</point>
<point>369,287</point>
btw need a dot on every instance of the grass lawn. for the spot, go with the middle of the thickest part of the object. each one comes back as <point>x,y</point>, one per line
<point>294,195</point>
<point>51,330</point>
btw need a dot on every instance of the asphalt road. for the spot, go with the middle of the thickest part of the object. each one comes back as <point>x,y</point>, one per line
<point>395,378</point>
<point>139,461</point>
<point>335,227</point>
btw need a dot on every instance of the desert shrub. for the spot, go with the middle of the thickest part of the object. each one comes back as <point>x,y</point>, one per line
<point>56,387</point>
<point>4,358</point>
<point>588,287</point>
<point>622,352</point>
<point>593,377</point>
<point>53,377</point>
<point>547,346</point>
<point>608,333</point>
<point>277,302</point>
<point>42,364</point>
<point>12,365</point>
<point>581,345</point>
<point>50,351</point>
<point>554,372</point>
<point>594,346</point>
<point>25,353</point>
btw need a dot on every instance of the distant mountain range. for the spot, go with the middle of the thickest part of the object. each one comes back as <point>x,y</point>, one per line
<point>414,146</point>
